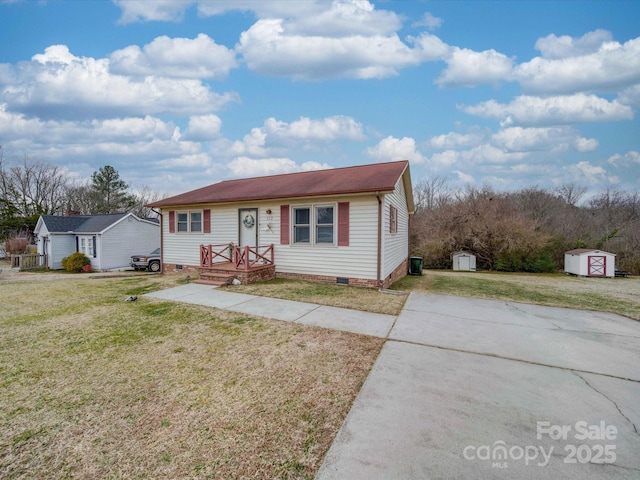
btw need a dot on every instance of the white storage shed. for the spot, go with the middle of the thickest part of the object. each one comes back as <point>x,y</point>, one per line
<point>464,261</point>
<point>588,262</point>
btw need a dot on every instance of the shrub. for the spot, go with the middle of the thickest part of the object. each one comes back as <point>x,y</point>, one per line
<point>535,261</point>
<point>17,245</point>
<point>75,262</point>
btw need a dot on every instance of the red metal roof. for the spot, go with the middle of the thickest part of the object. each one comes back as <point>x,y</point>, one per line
<point>379,177</point>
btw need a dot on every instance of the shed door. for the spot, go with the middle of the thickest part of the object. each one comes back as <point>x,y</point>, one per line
<point>597,266</point>
<point>464,262</point>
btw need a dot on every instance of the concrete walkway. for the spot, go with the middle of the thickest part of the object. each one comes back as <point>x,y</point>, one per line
<point>353,321</point>
<point>468,388</point>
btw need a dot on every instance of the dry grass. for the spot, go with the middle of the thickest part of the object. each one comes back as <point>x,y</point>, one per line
<point>95,387</point>
<point>365,299</point>
<point>617,295</point>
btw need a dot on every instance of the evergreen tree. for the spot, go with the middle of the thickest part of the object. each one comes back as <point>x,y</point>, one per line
<point>110,191</point>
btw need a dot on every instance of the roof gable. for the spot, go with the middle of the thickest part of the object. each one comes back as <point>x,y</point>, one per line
<point>80,223</point>
<point>381,177</point>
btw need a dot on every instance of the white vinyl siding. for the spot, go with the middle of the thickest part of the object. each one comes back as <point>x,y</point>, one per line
<point>395,246</point>
<point>60,246</point>
<point>130,236</point>
<point>358,260</point>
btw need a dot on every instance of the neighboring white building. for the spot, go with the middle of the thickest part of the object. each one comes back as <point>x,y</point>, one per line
<point>464,261</point>
<point>344,225</point>
<point>108,240</point>
<point>588,262</point>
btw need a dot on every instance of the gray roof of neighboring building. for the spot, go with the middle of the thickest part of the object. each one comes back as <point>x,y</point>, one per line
<point>80,223</point>
<point>98,223</point>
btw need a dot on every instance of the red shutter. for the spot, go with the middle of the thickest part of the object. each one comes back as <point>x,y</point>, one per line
<point>343,224</point>
<point>172,221</point>
<point>284,224</point>
<point>206,220</point>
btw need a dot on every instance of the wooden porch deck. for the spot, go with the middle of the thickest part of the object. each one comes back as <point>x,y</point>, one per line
<point>246,264</point>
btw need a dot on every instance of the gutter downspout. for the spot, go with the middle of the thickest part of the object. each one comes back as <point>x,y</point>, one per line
<point>161,239</point>
<point>378,280</point>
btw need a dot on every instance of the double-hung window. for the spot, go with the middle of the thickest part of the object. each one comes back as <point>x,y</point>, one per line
<point>324,224</point>
<point>189,222</point>
<point>314,225</point>
<point>302,225</point>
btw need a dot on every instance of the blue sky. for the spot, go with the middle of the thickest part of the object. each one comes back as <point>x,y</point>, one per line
<point>178,94</point>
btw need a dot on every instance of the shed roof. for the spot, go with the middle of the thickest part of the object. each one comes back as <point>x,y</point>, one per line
<point>580,251</point>
<point>380,177</point>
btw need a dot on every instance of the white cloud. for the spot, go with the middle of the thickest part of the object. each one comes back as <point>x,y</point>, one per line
<point>468,68</point>
<point>195,160</point>
<point>429,21</point>
<point>565,46</point>
<point>57,83</point>
<point>612,67</point>
<point>156,10</point>
<point>391,148</point>
<point>200,57</point>
<point>267,49</point>
<point>518,139</point>
<point>327,129</point>
<point>630,96</point>
<point>557,110</point>
<point>455,140</point>
<point>630,158</point>
<point>252,144</point>
<point>345,19</point>
<point>250,167</point>
<point>464,177</point>
<point>203,127</point>
<point>430,47</point>
<point>589,174</point>
<point>275,135</point>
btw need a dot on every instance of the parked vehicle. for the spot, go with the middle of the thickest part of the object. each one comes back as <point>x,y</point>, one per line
<point>150,261</point>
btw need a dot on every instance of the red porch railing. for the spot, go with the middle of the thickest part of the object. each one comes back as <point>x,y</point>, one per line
<point>242,258</point>
<point>247,257</point>
<point>210,254</point>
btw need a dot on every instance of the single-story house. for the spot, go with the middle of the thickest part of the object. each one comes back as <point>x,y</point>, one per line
<point>589,262</point>
<point>464,261</point>
<point>108,240</point>
<point>345,225</point>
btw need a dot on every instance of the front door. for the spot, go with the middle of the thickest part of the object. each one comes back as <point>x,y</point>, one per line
<point>248,224</point>
<point>597,266</point>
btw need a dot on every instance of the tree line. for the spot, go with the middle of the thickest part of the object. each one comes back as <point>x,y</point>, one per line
<point>30,188</point>
<point>526,230</point>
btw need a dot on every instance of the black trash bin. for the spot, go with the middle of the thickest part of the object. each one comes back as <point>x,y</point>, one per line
<point>415,265</point>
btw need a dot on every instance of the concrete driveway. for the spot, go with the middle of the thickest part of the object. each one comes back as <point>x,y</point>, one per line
<point>468,388</point>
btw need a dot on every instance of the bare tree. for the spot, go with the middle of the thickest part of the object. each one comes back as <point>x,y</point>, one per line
<point>571,193</point>
<point>33,187</point>
<point>431,192</point>
<point>143,197</point>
